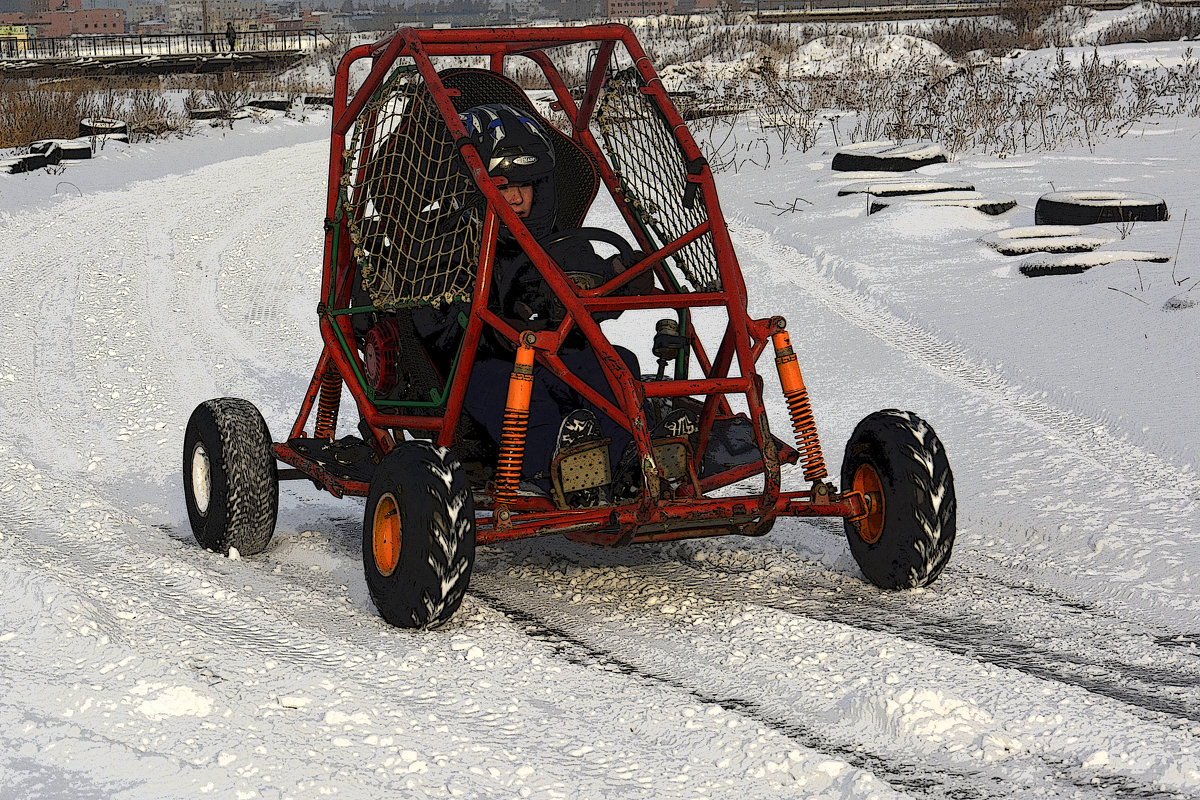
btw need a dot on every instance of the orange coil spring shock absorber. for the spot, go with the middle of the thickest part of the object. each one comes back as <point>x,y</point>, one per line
<point>797,399</point>
<point>328,404</point>
<point>516,421</point>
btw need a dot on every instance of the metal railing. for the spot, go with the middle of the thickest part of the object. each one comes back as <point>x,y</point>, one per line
<point>179,44</point>
<point>775,10</point>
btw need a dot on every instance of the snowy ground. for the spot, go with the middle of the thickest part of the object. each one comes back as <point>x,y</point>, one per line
<point>1057,656</point>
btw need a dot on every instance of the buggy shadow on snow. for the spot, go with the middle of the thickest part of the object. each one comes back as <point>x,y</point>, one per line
<point>412,221</point>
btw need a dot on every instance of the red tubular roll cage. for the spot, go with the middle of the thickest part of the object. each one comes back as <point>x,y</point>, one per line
<point>687,515</point>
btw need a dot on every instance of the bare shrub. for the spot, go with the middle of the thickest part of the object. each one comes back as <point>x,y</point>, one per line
<point>1164,24</point>
<point>149,116</point>
<point>228,92</point>
<point>52,109</point>
<point>1028,16</point>
<point>29,112</point>
<point>960,37</point>
<point>331,52</point>
<point>988,106</point>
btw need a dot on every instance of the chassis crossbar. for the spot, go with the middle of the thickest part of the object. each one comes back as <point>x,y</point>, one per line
<point>678,519</point>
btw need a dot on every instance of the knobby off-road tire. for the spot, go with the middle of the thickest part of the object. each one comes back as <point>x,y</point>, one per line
<point>418,535</point>
<point>896,459</point>
<point>230,480</point>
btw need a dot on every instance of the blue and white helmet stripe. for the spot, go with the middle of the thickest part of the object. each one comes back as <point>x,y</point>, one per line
<point>512,143</point>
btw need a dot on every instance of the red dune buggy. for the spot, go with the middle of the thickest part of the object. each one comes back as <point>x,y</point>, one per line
<point>412,221</point>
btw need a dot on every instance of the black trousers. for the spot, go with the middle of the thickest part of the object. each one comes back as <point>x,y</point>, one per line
<point>549,402</point>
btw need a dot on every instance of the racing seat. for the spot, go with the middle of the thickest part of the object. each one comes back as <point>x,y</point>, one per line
<point>419,373</point>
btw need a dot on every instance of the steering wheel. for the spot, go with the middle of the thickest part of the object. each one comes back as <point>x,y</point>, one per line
<point>603,235</point>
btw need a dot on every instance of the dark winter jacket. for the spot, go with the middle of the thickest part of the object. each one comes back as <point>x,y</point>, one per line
<point>521,297</point>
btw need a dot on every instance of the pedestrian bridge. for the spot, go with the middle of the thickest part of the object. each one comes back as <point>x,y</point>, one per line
<point>253,51</point>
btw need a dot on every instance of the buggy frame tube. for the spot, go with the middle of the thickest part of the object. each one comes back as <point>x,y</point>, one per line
<point>743,339</point>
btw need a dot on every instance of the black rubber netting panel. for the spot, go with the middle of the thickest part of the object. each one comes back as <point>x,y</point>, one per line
<point>576,178</point>
<point>411,207</point>
<point>653,173</point>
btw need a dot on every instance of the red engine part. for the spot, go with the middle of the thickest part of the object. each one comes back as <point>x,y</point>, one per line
<point>381,351</point>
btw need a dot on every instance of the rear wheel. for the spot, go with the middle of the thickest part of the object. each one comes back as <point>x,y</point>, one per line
<point>896,461</point>
<point>230,481</point>
<point>418,535</point>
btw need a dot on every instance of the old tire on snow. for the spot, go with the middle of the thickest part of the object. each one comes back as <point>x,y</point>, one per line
<point>25,163</point>
<point>1099,206</point>
<point>887,156</point>
<point>418,535</point>
<point>102,126</point>
<point>895,459</point>
<point>230,480</point>
<point>74,149</point>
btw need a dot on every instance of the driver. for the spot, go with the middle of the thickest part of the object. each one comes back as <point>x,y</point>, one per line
<point>514,145</point>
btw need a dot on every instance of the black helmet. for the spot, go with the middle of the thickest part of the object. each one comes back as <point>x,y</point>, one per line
<point>514,145</point>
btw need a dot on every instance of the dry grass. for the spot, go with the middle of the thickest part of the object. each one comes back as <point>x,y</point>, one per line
<point>989,107</point>
<point>228,92</point>
<point>994,108</point>
<point>1164,25</point>
<point>52,109</point>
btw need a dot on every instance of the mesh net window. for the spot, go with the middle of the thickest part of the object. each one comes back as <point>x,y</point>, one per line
<point>653,174</point>
<point>413,211</point>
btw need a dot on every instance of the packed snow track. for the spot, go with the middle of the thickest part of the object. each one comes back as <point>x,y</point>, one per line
<point>136,664</point>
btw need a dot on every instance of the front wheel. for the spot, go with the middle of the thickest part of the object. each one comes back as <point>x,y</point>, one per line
<point>230,481</point>
<point>418,535</point>
<point>896,461</point>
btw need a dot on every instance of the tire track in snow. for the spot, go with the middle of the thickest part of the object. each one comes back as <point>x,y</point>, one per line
<point>1159,682</point>
<point>1088,437</point>
<point>198,611</point>
<point>576,643</point>
<point>1153,689</point>
<point>916,779</point>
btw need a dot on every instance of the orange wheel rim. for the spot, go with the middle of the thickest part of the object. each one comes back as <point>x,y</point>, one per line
<point>866,482</point>
<point>385,534</point>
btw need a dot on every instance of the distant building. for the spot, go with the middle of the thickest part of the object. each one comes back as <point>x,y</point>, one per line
<point>149,27</point>
<point>639,8</point>
<point>580,9</point>
<point>51,18</point>
<point>14,33</point>
<point>139,13</point>
<point>307,21</point>
<point>189,16</point>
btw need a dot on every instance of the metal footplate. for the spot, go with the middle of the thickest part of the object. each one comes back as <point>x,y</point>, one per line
<point>584,466</point>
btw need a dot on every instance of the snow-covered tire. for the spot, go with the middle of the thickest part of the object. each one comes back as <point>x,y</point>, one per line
<point>1100,206</point>
<point>35,161</point>
<point>230,480</point>
<point>887,156</point>
<point>897,462</point>
<point>73,149</point>
<point>418,535</point>
<point>53,154</point>
<point>271,104</point>
<point>25,163</point>
<point>102,126</point>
